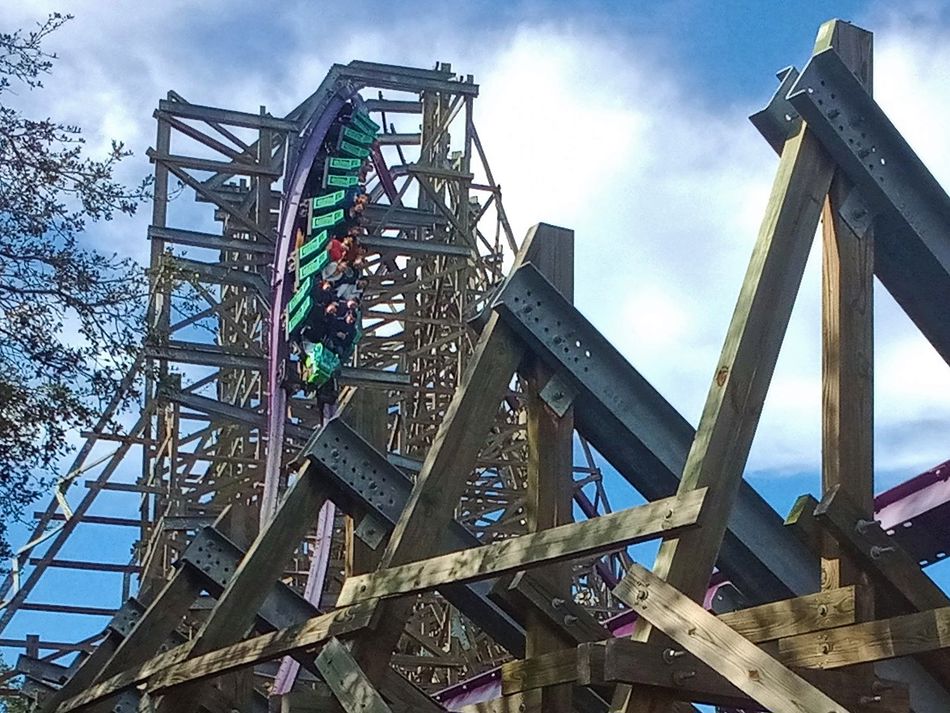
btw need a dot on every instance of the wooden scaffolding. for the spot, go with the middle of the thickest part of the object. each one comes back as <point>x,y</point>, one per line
<point>833,596</point>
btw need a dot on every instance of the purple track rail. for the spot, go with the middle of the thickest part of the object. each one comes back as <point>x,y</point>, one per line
<point>293,192</point>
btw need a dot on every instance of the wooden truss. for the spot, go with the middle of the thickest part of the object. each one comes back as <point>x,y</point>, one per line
<point>809,643</point>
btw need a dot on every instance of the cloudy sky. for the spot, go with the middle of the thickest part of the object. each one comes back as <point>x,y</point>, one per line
<point>625,121</point>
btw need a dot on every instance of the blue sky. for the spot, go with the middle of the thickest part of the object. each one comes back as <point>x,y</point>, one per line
<point>665,203</point>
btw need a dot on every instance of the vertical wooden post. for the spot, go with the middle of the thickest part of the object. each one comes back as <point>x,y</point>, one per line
<point>847,336</point>
<point>549,501</point>
<point>366,413</point>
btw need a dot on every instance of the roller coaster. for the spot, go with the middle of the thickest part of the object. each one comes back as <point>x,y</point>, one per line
<point>353,476</point>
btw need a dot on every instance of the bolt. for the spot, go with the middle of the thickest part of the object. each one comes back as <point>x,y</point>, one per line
<point>823,610</point>
<point>642,594</point>
<point>335,453</point>
<point>862,526</point>
<point>863,153</point>
<point>670,655</point>
<point>833,113</point>
<point>569,620</point>
<point>869,699</point>
<point>557,602</point>
<point>558,395</point>
<point>680,676</point>
<point>877,552</point>
<point>825,648</point>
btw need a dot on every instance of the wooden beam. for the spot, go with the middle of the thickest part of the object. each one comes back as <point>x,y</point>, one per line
<point>549,501</point>
<point>173,667</point>
<point>366,413</point>
<point>633,662</point>
<point>788,617</point>
<point>713,642</point>
<point>895,572</point>
<point>264,563</point>
<point>348,683</point>
<point>869,641</point>
<point>737,392</point>
<point>601,534</point>
<point>766,622</point>
<point>877,553</point>
<point>847,340</point>
<point>442,478</point>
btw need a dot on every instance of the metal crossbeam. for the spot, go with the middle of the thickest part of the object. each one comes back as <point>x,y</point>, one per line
<point>909,209</point>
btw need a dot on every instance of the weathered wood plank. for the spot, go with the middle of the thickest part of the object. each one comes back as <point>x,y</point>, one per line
<point>869,641</point>
<point>348,683</point>
<point>878,553</point>
<point>767,622</point>
<point>713,642</point>
<point>443,475</point>
<point>605,533</point>
<point>847,343</point>
<point>789,617</point>
<point>637,663</point>
<point>262,565</point>
<point>737,393</point>
<point>549,501</point>
<point>174,667</point>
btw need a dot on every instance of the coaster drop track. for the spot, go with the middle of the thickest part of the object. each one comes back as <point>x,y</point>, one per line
<point>220,390</point>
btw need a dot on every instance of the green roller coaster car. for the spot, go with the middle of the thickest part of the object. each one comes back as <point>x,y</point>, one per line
<point>320,365</point>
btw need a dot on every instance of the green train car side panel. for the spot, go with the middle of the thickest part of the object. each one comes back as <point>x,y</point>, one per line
<point>315,265</point>
<point>338,163</point>
<point>313,246</point>
<point>336,181</point>
<point>358,136</point>
<point>299,296</point>
<point>327,201</point>
<point>362,120</point>
<point>327,220</point>
<point>299,315</point>
<point>353,149</point>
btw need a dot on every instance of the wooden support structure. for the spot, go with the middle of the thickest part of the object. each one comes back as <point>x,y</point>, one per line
<point>534,367</point>
<point>603,534</point>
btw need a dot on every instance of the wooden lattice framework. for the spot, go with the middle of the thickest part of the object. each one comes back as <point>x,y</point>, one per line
<point>808,644</point>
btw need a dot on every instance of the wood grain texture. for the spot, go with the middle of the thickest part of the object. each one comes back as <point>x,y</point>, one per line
<point>737,392</point>
<point>713,642</point>
<point>174,667</point>
<point>605,533</point>
<point>869,641</point>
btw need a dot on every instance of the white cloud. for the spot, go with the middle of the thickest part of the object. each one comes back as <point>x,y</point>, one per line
<point>585,129</point>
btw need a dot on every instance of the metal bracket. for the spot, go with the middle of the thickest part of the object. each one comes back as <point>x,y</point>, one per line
<point>371,531</point>
<point>642,435</point>
<point>779,119</point>
<point>558,394</point>
<point>125,619</point>
<point>857,213</point>
<point>216,558</point>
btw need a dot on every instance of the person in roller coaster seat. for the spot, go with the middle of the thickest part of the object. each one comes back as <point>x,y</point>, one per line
<point>345,249</point>
<point>342,332</point>
<point>319,322</point>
